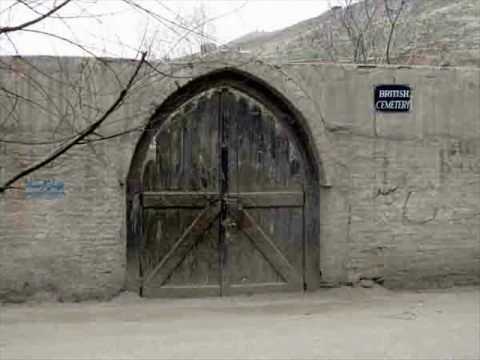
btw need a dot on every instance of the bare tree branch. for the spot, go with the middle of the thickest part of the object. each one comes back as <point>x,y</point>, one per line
<point>8,29</point>
<point>82,135</point>
<point>392,16</point>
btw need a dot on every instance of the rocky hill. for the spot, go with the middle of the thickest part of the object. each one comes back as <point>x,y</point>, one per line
<point>427,32</point>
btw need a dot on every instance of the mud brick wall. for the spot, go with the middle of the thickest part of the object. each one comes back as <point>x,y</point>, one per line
<point>399,193</point>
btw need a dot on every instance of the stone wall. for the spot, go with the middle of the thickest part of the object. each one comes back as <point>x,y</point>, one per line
<point>405,201</point>
<point>399,193</point>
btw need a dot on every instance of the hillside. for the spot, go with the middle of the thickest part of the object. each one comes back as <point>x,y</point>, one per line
<point>428,32</point>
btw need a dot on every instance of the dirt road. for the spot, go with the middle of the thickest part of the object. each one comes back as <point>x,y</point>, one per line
<point>343,323</point>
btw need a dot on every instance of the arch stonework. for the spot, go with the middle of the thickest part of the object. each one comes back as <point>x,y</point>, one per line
<point>307,129</point>
<point>266,79</point>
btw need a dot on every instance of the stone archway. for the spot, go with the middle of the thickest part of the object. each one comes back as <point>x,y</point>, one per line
<point>156,252</point>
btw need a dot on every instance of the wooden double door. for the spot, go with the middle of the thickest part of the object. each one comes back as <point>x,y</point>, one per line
<point>223,201</point>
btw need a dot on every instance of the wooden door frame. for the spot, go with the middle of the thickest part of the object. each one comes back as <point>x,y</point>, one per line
<point>284,112</point>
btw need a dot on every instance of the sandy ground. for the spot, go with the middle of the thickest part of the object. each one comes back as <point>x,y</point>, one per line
<point>345,323</point>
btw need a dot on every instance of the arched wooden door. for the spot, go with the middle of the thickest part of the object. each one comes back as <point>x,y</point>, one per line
<point>223,201</point>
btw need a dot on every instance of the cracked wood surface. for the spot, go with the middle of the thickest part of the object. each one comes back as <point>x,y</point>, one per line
<point>224,148</point>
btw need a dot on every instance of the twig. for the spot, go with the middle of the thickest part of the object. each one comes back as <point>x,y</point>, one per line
<point>8,29</point>
<point>83,134</point>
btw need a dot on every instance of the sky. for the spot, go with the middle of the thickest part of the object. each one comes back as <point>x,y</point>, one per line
<point>120,28</point>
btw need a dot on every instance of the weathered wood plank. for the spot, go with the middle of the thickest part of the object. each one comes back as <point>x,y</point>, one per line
<point>268,249</point>
<point>261,180</point>
<point>260,288</point>
<point>268,199</point>
<point>182,246</point>
<point>154,291</point>
<point>171,199</point>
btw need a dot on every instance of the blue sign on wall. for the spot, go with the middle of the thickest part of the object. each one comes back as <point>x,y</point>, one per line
<point>393,98</point>
<point>45,189</point>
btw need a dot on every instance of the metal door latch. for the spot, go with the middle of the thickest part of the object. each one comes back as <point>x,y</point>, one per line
<point>234,211</point>
<point>230,224</point>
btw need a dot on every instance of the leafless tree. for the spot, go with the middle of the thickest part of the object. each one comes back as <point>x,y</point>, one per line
<point>64,110</point>
<point>81,135</point>
<point>357,21</point>
<point>369,26</point>
<point>393,16</point>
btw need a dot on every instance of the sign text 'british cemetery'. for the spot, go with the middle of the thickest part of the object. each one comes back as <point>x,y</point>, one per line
<point>393,98</point>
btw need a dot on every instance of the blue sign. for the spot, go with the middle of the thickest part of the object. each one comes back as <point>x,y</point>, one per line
<point>393,98</point>
<point>44,189</point>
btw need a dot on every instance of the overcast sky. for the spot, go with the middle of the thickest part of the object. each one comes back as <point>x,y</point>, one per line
<point>119,28</point>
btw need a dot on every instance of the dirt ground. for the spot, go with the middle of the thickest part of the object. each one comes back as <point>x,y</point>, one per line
<point>344,323</point>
